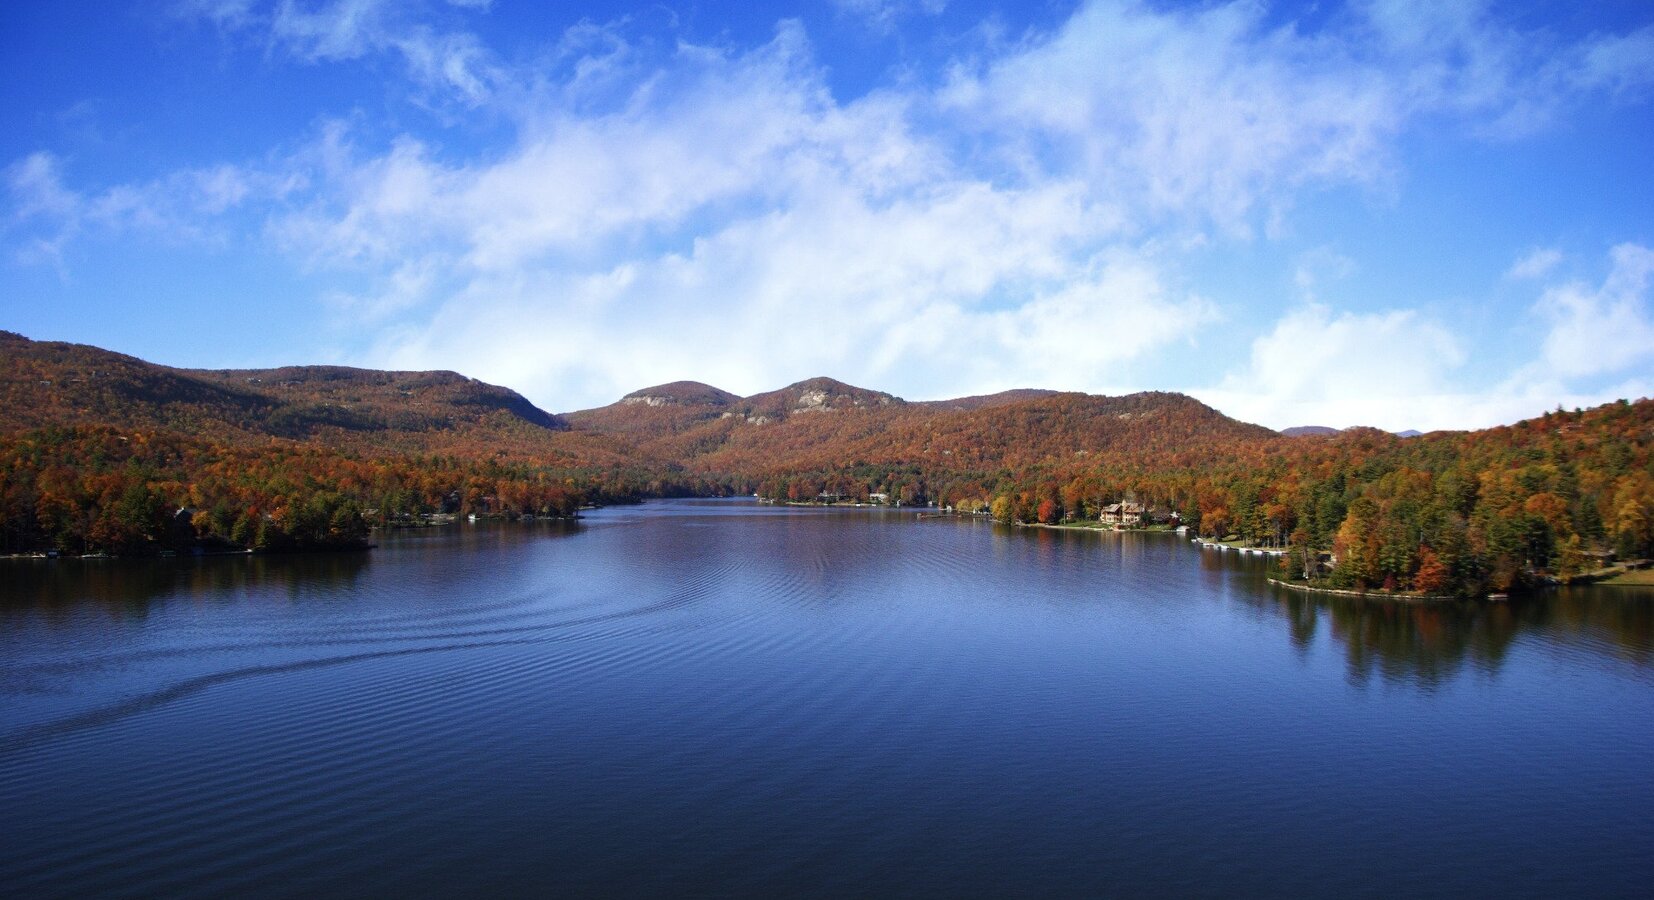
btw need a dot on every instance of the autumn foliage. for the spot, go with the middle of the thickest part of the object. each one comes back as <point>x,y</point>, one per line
<point>103,452</point>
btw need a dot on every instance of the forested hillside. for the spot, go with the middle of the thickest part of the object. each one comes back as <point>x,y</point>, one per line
<point>105,452</point>
<point>46,383</point>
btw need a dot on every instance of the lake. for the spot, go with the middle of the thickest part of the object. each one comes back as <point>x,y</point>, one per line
<point>718,698</point>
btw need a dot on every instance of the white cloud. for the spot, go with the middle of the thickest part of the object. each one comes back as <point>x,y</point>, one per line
<point>1536,263</point>
<point>1082,334</point>
<point>1617,63</point>
<point>1604,330</point>
<point>1205,114</point>
<point>37,189</point>
<point>886,295</point>
<point>741,130</point>
<point>883,15</point>
<point>1320,367</point>
<point>1214,114</point>
<point>1460,58</point>
<point>223,13</point>
<point>733,223</point>
<point>42,204</point>
<point>179,207</point>
<point>407,286</point>
<point>1401,369</point>
<point>663,209</point>
<point>1319,267</point>
<point>450,60</point>
<point>343,29</point>
<point>717,214</point>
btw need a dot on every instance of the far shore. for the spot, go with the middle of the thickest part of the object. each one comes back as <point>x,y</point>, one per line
<point>1633,574</point>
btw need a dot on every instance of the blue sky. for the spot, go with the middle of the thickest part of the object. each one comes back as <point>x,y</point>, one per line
<point>1392,212</point>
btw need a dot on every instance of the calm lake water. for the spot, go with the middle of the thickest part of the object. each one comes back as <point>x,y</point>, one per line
<point>718,698</point>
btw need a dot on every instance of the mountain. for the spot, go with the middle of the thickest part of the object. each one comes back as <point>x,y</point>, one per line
<point>823,424</point>
<point>1324,431</point>
<point>667,410</point>
<point>682,427</point>
<point>369,399</point>
<point>104,451</point>
<point>680,393</point>
<point>652,414</point>
<point>44,383</point>
<point>984,401</point>
<point>814,395</point>
<point>50,383</point>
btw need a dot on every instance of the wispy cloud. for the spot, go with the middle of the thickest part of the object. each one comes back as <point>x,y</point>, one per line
<point>440,57</point>
<point>179,207</point>
<point>1401,368</point>
<point>882,16</point>
<point>1206,115</point>
<point>1607,329</point>
<point>1536,263</point>
<point>1386,369</point>
<point>662,208</point>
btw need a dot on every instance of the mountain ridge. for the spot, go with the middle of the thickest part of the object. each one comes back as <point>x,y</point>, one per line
<point>104,451</point>
<point>56,383</point>
<point>688,424</point>
<point>1328,431</point>
<point>684,426</point>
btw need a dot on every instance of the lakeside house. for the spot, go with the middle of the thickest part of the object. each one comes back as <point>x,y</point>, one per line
<point>1122,515</point>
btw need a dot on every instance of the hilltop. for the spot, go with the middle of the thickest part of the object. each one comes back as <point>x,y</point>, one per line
<point>1319,431</point>
<point>822,423</point>
<point>681,427</point>
<point>49,382</point>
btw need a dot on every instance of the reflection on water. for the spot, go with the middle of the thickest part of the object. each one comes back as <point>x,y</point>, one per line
<point>717,698</point>
<point>1428,643</point>
<point>126,587</point>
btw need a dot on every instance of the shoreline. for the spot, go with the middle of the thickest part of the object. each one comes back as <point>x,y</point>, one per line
<point>437,520</point>
<point>1173,530</point>
<point>1099,529</point>
<point>1373,595</point>
<point>1603,578</point>
<point>1221,545</point>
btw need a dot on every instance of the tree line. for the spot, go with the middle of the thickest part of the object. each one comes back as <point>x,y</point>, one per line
<point>1452,512</point>
<point>90,489</point>
<point>1467,513</point>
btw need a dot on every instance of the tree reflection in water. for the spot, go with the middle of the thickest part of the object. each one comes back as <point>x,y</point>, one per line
<point>127,587</point>
<point>1429,644</point>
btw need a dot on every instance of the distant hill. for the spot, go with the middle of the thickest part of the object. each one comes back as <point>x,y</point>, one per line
<point>680,393</point>
<point>814,395</point>
<point>680,427</point>
<point>372,399</point>
<point>106,451</point>
<point>823,424</point>
<point>53,383</point>
<point>983,401</point>
<point>1324,431</point>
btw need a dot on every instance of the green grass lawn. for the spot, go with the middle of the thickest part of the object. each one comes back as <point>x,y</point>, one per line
<point>1638,578</point>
